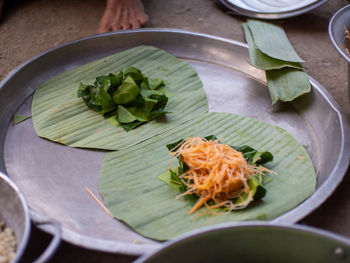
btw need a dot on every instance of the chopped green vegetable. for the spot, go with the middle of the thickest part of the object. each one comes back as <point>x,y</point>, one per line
<point>59,115</point>
<point>143,98</point>
<point>253,156</point>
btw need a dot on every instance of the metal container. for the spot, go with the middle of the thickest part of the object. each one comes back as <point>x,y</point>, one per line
<point>272,9</point>
<point>254,242</point>
<point>54,177</point>
<point>15,213</point>
<point>339,23</point>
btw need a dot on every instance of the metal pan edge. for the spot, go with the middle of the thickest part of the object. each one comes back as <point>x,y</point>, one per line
<point>290,217</point>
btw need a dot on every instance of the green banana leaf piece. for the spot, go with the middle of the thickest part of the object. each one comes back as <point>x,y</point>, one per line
<point>270,50</point>
<point>18,118</point>
<point>287,84</point>
<point>272,40</point>
<point>133,193</point>
<point>259,59</point>
<point>59,115</point>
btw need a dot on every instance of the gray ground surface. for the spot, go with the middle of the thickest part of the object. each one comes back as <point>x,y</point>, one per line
<point>31,27</point>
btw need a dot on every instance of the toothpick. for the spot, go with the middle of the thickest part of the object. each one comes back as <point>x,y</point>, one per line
<point>98,201</point>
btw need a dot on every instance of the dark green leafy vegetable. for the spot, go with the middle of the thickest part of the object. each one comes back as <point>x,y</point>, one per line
<point>129,97</point>
<point>253,157</point>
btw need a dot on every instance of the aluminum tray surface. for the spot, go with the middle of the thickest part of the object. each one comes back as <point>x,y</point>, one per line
<point>53,177</point>
<point>272,9</point>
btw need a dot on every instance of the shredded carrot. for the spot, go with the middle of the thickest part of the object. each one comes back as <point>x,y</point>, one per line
<point>215,172</point>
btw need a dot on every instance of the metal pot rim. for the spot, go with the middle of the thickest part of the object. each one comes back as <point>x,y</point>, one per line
<point>22,244</point>
<point>251,224</point>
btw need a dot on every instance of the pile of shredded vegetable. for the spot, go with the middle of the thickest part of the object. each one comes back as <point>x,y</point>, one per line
<point>215,172</point>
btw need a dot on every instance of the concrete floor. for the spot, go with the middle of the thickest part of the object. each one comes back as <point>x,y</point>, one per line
<point>33,26</point>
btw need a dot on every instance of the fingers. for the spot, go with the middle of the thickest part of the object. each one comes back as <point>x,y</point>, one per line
<point>124,20</point>
<point>143,18</point>
<point>140,13</point>
<point>105,26</point>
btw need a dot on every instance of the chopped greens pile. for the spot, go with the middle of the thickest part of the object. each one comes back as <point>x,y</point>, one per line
<point>130,97</point>
<point>253,157</point>
<point>270,50</point>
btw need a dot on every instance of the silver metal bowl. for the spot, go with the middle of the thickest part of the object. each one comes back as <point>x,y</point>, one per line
<point>336,29</point>
<point>15,212</point>
<point>254,242</point>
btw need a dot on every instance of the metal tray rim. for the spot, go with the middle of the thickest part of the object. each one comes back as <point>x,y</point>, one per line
<point>288,218</point>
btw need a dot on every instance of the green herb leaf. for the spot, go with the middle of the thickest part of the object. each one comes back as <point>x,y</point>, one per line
<point>256,188</point>
<point>138,113</point>
<point>91,96</point>
<point>124,116</point>
<point>133,73</point>
<point>106,101</point>
<point>149,104</point>
<point>175,145</point>
<point>210,138</point>
<point>253,156</point>
<point>171,179</point>
<point>147,93</point>
<point>132,125</point>
<point>126,92</point>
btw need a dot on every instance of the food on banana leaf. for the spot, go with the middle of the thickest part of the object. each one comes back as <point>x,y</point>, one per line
<point>217,175</point>
<point>129,97</point>
<point>61,116</point>
<point>133,192</point>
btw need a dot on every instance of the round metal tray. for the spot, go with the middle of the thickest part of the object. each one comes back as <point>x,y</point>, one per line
<point>272,9</point>
<point>53,177</point>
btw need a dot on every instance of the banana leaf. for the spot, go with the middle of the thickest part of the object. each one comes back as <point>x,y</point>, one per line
<point>287,84</point>
<point>133,193</point>
<point>270,50</point>
<point>272,40</point>
<point>259,59</point>
<point>18,118</point>
<point>59,115</point>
